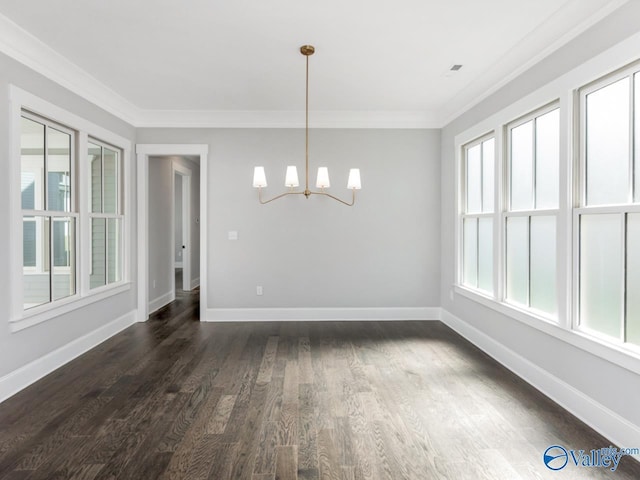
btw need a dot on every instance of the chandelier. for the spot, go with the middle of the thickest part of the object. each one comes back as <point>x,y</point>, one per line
<point>291,176</point>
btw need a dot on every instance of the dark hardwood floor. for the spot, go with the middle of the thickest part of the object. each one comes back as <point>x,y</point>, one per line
<point>176,399</point>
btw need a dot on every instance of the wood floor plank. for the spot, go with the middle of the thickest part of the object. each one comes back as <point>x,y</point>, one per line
<point>221,414</point>
<point>268,361</point>
<point>307,431</point>
<point>287,463</point>
<point>177,399</point>
<point>265,459</point>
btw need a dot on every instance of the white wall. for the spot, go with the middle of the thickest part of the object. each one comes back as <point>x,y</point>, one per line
<point>26,348</point>
<point>604,394</point>
<point>316,253</point>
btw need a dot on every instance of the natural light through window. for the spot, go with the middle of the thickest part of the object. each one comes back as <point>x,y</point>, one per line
<point>105,215</point>
<point>477,222</point>
<point>48,217</point>
<point>531,217</point>
<point>608,217</point>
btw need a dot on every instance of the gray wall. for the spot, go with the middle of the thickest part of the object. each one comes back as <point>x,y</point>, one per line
<point>610,385</point>
<point>20,348</point>
<point>384,252</point>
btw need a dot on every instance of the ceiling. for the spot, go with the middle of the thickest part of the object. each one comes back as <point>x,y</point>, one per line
<point>207,62</point>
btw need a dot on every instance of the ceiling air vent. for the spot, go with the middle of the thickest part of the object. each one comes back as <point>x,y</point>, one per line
<point>452,70</point>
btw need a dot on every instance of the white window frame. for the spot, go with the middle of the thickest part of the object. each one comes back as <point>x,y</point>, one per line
<point>564,89</point>
<point>107,216</point>
<point>580,198</point>
<point>509,213</point>
<point>462,209</point>
<point>40,177</point>
<point>19,101</point>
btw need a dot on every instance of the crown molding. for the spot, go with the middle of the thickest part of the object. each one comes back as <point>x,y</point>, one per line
<point>286,119</point>
<point>25,48</point>
<point>466,102</point>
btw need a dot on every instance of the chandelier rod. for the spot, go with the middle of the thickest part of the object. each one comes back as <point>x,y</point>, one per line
<point>306,128</point>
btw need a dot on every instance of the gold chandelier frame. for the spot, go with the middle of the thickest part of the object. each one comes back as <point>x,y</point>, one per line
<point>291,180</point>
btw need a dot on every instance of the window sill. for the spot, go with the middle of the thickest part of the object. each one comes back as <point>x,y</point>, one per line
<point>626,356</point>
<point>48,311</point>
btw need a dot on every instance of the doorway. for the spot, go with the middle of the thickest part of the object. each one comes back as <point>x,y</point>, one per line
<point>182,246</point>
<point>156,272</point>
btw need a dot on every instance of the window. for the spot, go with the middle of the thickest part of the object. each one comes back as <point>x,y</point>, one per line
<point>49,216</point>
<point>73,245</point>
<point>105,214</point>
<point>477,219</point>
<point>533,155</point>
<point>607,219</point>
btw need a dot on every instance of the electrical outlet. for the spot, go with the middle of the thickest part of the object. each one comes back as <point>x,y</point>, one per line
<point>259,290</point>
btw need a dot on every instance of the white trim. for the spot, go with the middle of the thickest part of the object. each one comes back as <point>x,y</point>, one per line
<point>22,46</point>
<point>24,376</point>
<point>285,119</point>
<point>626,357</point>
<point>320,314</point>
<point>177,264</point>
<point>159,302</point>
<point>143,152</point>
<point>27,49</point>
<point>20,99</point>
<point>45,312</point>
<point>195,283</point>
<point>563,88</point>
<point>59,115</point>
<point>608,423</point>
<point>448,114</point>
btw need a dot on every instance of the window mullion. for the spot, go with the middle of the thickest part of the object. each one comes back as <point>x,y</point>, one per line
<point>529,261</point>
<point>106,251</point>
<point>83,199</point>
<point>481,179</point>
<point>45,172</point>
<point>623,310</point>
<point>101,179</point>
<point>632,140</point>
<point>499,220</point>
<point>50,249</point>
<point>534,158</point>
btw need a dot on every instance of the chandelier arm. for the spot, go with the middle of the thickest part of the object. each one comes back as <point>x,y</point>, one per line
<point>353,197</point>
<point>263,202</point>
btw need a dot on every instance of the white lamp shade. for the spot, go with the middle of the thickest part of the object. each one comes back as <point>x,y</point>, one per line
<point>323,178</point>
<point>259,177</point>
<point>291,178</point>
<point>354,179</point>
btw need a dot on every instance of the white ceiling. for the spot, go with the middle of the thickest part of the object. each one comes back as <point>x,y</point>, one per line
<point>157,62</point>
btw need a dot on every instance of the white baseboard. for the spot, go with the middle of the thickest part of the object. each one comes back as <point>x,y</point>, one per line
<point>617,429</point>
<point>195,283</point>
<point>320,314</point>
<point>177,265</point>
<point>24,376</point>
<point>161,301</point>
